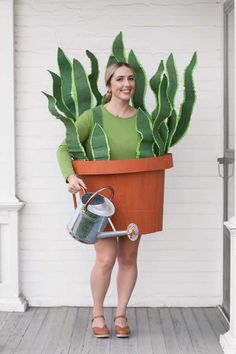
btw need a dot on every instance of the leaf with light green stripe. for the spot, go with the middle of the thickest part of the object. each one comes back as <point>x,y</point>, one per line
<point>155,84</point>
<point>140,78</point>
<point>99,143</point>
<point>172,125</point>
<point>56,88</point>
<point>66,81</point>
<point>118,50</point>
<point>145,147</point>
<point>164,133</point>
<point>172,79</point>
<point>82,87</point>
<point>165,110</point>
<point>75,148</point>
<point>186,107</point>
<point>97,115</point>
<point>93,77</point>
<point>112,60</point>
<point>159,146</point>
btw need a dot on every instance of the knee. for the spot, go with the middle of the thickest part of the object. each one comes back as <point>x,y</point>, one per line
<point>127,261</point>
<point>105,264</point>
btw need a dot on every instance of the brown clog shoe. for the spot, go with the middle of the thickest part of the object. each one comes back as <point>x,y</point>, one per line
<point>100,332</point>
<point>122,332</point>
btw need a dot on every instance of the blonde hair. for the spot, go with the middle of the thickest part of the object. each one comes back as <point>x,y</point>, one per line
<point>109,74</point>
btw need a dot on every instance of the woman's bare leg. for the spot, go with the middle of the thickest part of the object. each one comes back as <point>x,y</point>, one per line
<point>127,274</point>
<point>106,252</point>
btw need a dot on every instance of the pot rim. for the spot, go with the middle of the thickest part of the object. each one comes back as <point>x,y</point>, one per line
<point>106,167</point>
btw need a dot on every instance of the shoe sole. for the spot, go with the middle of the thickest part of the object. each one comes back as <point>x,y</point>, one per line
<point>123,335</point>
<point>101,336</point>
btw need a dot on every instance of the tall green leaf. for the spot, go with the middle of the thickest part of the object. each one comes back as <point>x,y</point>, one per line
<point>82,87</point>
<point>164,133</point>
<point>118,50</point>
<point>172,125</point>
<point>99,143</point>
<point>93,77</point>
<point>75,148</point>
<point>186,107</point>
<point>140,78</point>
<point>155,84</point>
<point>172,79</point>
<point>165,107</point>
<point>164,112</point>
<point>145,147</point>
<point>65,68</point>
<point>97,115</point>
<point>56,89</point>
<point>112,60</point>
<point>159,147</point>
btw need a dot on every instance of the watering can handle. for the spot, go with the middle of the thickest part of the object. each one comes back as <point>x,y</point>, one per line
<point>92,196</point>
<point>100,190</point>
<point>81,192</point>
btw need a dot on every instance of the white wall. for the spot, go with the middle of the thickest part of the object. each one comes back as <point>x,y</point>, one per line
<point>181,265</point>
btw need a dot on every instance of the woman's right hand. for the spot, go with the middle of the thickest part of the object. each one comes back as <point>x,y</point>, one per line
<point>75,184</point>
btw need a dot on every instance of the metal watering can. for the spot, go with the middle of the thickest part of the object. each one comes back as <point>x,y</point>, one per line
<point>92,215</point>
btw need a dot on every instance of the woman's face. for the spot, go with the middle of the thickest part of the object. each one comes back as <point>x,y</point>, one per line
<point>122,83</point>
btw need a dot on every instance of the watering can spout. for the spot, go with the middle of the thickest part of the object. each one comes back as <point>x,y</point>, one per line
<point>132,232</point>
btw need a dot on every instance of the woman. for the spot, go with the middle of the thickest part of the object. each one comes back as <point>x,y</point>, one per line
<point>119,119</point>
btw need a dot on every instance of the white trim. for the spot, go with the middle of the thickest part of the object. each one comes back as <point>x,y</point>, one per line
<point>11,206</point>
<point>228,340</point>
<point>11,298</point>
<point>231,224</point>
<point>228,343</point>
<point>7,132</point>
<point>19,304</point>
<point>110,301</point>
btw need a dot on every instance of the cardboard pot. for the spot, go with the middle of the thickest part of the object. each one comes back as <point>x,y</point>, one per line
<point>138,185</point>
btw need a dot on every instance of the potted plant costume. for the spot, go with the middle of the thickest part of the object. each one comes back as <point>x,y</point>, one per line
<point>138,180</point>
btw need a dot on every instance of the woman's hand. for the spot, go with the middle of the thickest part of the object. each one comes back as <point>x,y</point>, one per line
<point>75,184</point>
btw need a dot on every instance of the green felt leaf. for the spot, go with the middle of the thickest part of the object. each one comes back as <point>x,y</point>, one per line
<point>97,115</point>
<point>112,60</point>
<point>164,112</point>
<point>57,94</point>
<point>164,133</point>
<point>118,50</point>
<point>93,77</point>
<point>155,84</point>
<point>65,68</point>
<point>99,144</point>
<point>172,125</point>
<point>75,148</point>
<point>145,147</point>
<point>172,79</point>
<point>165,107</point>
<point>82,87</point>
<point>104,99</point>
<point>159,147</point>
<point>140,90</point>
<point>186,107</point>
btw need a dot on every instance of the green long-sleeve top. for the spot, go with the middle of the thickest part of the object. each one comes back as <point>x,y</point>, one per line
<point>122,135</point>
